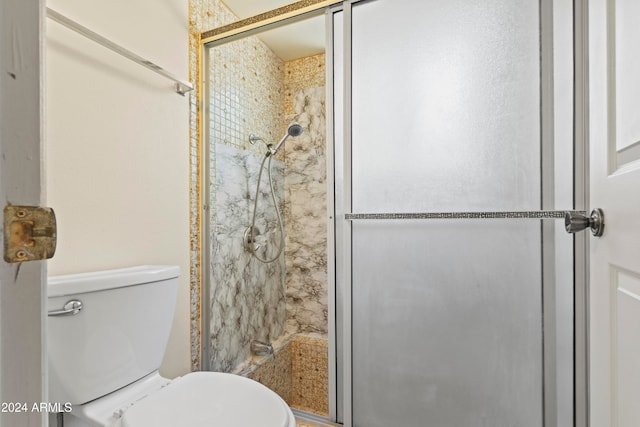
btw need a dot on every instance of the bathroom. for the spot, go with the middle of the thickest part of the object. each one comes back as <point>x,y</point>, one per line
<point>239,104</point>
<point>325,320</point>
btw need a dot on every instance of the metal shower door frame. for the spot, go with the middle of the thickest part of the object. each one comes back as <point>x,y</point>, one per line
<point>340,215</point>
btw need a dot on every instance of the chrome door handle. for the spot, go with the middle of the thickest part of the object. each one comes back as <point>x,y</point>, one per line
<point>69,309</point>
<point>576,221</point>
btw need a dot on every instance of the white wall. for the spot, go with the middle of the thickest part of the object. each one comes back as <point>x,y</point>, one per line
<point>117,151</point>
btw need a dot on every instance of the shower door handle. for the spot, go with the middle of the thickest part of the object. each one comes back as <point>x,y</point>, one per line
<point>578,221</point>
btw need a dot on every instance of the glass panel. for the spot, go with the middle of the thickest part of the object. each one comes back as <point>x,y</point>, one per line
<point>447,315</point>
<point>449,120</point>
<point>246,297</point>
<point>447,323</point>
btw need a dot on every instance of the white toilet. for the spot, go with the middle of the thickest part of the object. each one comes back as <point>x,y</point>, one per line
<point>107,335</point>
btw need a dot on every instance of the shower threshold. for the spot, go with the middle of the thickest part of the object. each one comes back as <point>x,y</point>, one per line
<point>306,419</point>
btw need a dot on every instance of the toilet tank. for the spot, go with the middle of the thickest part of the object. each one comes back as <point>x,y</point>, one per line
<point>119,336</point>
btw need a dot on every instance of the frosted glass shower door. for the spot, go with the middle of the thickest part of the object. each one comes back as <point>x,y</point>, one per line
<point>446,313</point>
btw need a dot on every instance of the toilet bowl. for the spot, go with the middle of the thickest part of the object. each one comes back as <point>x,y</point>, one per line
<point>107,335</point>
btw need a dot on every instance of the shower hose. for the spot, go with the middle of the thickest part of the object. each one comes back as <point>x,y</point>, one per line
<point>252,248</point>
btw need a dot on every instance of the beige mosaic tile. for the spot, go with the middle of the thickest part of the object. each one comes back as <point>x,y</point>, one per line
<point>301,74</point>
<point>310,376</point>
<point>276,373</point>
<point>298,373</point>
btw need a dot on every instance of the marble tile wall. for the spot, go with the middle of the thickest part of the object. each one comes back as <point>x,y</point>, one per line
<point>248,300</point>
<point>306,215</point>
<point>247,296</point>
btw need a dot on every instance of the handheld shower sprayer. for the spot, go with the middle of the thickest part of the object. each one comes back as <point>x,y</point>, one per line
<point>294,129</point>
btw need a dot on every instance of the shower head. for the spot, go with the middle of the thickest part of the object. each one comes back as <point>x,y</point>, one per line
<point>294,129</point>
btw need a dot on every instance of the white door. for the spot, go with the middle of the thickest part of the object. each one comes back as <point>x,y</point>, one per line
<point>22,293</point>
<point>614,133</point>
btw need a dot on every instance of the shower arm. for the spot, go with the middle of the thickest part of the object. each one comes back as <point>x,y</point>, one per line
<point>253,138</point>
<point>271,151</point>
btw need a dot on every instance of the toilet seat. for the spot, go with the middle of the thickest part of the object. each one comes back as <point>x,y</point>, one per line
<point>207,399</point>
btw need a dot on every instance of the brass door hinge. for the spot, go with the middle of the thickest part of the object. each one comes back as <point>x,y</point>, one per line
<point>29,233</point>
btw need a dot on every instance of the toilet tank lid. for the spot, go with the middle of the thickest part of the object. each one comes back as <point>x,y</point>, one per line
<point>71,284</point>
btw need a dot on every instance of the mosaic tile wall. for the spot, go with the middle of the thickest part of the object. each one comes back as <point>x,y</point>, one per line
<point>309,374</point>
<point>246,93</point>
<point>302,74</point>
<point>275,372</point>
<point>299,374</point>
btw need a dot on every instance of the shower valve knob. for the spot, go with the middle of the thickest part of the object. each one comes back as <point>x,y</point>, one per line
<point>576,221</point>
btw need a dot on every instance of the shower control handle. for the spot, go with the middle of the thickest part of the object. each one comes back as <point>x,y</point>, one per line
<point>70,308</point>
<point>576,221</point>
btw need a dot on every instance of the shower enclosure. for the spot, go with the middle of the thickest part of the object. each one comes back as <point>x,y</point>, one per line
<point>454,293</point>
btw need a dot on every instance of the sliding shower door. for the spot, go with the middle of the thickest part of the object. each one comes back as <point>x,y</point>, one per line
<point>458,312</point>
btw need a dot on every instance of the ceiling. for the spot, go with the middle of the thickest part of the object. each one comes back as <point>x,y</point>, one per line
<point>291,41</point>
